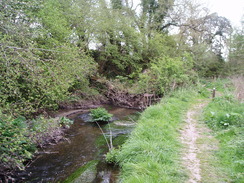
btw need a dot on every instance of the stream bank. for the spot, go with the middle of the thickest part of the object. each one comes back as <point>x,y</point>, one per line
<point>152,152</point>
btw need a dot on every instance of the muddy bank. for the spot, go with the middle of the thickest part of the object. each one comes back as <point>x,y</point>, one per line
<point>90,103</point>
<point>112,97</point>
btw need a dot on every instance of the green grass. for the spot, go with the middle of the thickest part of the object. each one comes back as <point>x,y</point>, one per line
<point>224,115</point>
<point>219,84</point>
<point>152,152</point>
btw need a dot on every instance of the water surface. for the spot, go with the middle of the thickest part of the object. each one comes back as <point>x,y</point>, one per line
<point>56,162</point>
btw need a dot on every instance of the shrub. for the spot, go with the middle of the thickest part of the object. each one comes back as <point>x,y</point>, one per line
<point>15,146</point>
<point>20,137</point>
<point>167,73</point>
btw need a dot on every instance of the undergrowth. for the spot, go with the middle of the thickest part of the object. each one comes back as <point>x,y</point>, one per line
<point>151,154</point>
<point>225,116</point>
<point>19,138</point>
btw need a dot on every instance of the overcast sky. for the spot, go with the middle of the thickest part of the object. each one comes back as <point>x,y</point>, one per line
<point>231,9</point>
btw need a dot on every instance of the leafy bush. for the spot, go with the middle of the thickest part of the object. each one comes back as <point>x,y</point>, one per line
<point>166,74</point>
<point>111,156</point>
<point>100,114</point>
<point>42,69</point>
<point>16,146</point>
<point>20,137</point>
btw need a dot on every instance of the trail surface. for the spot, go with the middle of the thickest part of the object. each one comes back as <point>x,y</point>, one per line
<point>190,134</point>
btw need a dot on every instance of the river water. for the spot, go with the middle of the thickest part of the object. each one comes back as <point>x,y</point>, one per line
<point>84,143</point>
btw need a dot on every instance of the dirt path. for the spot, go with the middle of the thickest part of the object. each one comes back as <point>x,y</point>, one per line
<point>189,137</point>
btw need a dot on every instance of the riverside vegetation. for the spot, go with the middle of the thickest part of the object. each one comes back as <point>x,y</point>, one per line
<point>152,152</point>
<point>57,52</point>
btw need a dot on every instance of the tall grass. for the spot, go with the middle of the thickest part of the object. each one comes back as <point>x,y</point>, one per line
<point>225,116</point>
<point>151,154</point>
<point>238,82</point>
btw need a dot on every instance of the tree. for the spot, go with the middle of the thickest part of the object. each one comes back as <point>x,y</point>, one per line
<point>117,41</point>
<point>235,63</point>
<point>39,62</point>
<point>203,34</point>
<point>155,12</point>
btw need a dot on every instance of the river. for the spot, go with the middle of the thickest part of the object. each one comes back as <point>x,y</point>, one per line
<point>83,150</point>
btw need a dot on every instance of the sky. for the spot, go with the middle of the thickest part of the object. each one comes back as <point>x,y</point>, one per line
<point>231,9</point>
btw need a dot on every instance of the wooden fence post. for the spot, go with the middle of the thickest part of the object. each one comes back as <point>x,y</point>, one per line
<point>214,91</point>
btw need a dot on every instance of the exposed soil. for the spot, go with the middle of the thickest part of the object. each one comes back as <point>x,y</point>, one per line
<point>128,100</point>
<point>84,104</point>
<point>189,136</point>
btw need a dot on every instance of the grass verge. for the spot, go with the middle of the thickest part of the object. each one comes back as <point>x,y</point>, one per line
<point>151,154</point>
<point>224,115</point>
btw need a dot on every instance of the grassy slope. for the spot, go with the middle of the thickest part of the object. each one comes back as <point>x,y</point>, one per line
<point>151,154</point>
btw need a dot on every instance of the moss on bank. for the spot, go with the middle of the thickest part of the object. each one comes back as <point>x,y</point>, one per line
<point>85,174</point>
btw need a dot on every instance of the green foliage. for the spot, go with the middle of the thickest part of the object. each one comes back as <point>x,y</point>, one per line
<point>120,49</point>
<point>100,114</point>
<point>221,85</point>
<point>161,45</point>
<point>151,153</point>
<point>166,74</point>
<point>39,68</point>
<point>54,23</point>
<point>65,122</point>
<point>20,137</point>
<point>111,156</point>
<point>16,147</point>
<point>235,64</point>
<point>225,116</point>
<point>223,112</point>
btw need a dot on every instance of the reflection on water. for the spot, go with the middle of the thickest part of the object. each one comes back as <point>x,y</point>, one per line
<point>58,161</point>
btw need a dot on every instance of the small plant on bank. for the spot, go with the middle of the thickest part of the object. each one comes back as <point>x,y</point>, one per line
<point>100,114</point>
<point>65,122</point>
<point>111,156</point>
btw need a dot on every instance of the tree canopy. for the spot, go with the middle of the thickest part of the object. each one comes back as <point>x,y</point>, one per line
<point>50,47</point>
